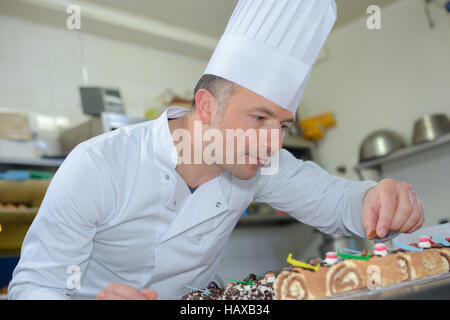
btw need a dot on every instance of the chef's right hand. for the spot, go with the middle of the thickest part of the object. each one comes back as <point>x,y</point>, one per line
<point>120,291</point>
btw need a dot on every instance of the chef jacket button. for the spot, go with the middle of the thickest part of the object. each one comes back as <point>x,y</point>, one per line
<point>167,177</point>
<point>218,204</point>
<point>175,203</point>
<point>198,238</point>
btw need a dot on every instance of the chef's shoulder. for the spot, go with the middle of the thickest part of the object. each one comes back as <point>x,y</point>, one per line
<point>283,170</point>
<point>120,146</point>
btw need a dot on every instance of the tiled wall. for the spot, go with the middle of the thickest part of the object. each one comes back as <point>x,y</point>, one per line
<point>41,68</point>
<point>380,79</point>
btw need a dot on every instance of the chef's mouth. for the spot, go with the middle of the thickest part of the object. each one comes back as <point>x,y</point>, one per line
<point>259,162</point>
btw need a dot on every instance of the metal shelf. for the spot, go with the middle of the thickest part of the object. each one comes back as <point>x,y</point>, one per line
<point>38,162</point>
<point>408,151</point>
<point>401,154</point>
<point>18,215</point>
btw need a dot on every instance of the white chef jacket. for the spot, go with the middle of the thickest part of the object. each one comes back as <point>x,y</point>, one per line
<point>117,211</point>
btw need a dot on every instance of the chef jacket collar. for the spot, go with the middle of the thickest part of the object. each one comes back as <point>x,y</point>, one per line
<point>207,202</point>
<point>163,144</point>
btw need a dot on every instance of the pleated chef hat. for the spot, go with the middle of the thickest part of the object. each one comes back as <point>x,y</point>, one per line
<point>270,46</point>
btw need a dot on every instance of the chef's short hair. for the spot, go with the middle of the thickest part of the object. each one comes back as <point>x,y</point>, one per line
<point>220,88</point>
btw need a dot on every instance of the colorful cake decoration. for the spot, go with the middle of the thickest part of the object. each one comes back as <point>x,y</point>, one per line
<point>270,277</point>
<point>352,251</point>
<point>441,240</point>
<point>336,276</point>
<point>406,247</point>
<point>300,264</point>
<point>331,258</point>
<point>380,249</point>
<point>351,256</point>
<point>250,282</point>
<point>424,242</point>
<point>206,291</point>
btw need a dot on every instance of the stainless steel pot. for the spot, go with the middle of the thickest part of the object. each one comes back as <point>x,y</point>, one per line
<point>379,144</point>
<point>430,127</point>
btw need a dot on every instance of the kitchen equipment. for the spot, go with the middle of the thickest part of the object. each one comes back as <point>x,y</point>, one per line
<point>338,241</point>
<point>430,127</point>
<point>379,144</point>
<point>108,121</point>
<point>96,100</point>
<point>300,147</point>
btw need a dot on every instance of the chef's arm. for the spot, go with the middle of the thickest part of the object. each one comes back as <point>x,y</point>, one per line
<point>313,196</point>
<point>58,243</point>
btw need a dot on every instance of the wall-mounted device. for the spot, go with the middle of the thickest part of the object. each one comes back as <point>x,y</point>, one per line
<point>107,112</point>
<point>96,100</point>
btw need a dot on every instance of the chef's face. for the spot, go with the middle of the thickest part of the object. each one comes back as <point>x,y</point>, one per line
<point>251,113</point>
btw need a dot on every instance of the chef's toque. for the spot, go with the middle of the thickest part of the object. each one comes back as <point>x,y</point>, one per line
<point>270,46</point>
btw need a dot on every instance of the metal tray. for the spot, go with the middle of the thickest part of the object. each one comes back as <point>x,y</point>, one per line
<point>435,287</point>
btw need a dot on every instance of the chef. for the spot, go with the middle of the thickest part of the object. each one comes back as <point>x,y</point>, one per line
<point>123,219</point>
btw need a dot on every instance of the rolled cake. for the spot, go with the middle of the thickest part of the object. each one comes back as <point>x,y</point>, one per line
<point>445,258</point>
<point>350,275</point>
<point>300,284</point>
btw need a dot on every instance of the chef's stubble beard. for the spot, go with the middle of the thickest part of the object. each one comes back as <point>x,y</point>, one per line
<point>240,171</point>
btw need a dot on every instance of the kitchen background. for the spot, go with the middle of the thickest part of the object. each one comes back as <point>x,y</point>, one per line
<point>155,51</point>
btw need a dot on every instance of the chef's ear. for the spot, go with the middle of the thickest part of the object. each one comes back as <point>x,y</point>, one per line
<point>204,101</point>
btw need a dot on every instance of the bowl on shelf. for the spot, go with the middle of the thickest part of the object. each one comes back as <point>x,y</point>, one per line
<point>430,127</point>
<point>380,144</point>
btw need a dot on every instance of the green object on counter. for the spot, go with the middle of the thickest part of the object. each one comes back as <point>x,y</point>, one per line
<point>36,174</point>
<point>351,256</point>
<point>243,282</point>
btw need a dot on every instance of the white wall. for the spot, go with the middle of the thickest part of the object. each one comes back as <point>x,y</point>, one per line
<point>380,79</point>
<point>41,69</point>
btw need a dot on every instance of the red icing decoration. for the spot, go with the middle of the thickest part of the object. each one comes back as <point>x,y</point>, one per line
<point>331,255</point>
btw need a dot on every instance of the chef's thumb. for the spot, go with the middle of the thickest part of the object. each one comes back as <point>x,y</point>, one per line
<point>149,294</point>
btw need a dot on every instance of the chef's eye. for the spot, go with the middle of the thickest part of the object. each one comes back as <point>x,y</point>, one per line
<point>259,118</point>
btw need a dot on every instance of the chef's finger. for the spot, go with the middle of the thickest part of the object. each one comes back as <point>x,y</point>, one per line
<point>421,210</point>
<point>125,291</point>
<point>370,212</point>
<point>370,218</point>
<point>150,294</point>
<point>387,193</point>
<point>413,218</point>
<point>108,295</point>
<point>405,206</point>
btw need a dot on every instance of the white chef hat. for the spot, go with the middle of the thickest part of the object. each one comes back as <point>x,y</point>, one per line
<point>270,46</point>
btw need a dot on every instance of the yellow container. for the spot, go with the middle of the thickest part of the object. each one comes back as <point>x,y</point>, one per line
<point>312,129</point>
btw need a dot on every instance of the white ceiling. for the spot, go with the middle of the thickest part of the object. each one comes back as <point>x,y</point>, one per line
<point>189,27</point>
<point>211,16</point>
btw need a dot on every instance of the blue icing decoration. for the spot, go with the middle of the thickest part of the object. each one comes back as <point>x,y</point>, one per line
<point>406,247</point>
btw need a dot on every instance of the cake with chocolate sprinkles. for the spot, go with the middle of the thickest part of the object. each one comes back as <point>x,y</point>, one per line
<point>250,288</point>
